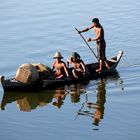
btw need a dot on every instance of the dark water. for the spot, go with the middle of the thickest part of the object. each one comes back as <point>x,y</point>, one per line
<point>31,32</point>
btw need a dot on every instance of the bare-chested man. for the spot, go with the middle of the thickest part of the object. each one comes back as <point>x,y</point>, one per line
<point>59,66</point>
<point>100,41</point>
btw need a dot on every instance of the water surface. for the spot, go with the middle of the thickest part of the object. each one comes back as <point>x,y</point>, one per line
<point>32,31</point>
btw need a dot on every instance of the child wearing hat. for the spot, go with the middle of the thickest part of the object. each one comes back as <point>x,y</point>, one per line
<point>79,68</point>
<point>59,66</point>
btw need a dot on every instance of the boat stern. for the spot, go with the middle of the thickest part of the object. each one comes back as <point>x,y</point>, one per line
<point>119,56</point>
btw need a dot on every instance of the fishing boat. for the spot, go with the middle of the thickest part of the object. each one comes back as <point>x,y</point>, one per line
<point>13,85</point>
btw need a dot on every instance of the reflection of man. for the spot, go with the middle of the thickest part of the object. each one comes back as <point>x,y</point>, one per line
<point>97,116</point>
<point>99,106</point>
<point>59,96</point>
<point>76,91</point>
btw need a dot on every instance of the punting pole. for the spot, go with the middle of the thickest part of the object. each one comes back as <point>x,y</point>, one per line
<point>87,43</point>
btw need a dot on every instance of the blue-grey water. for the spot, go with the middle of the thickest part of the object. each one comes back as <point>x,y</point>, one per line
<point>31,31</point>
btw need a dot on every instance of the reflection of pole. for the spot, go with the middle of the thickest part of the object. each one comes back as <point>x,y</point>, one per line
<point>81,107</point>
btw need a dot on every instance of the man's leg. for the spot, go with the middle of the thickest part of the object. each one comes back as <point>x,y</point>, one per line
<point>100,66</point>
<point>106,64</point>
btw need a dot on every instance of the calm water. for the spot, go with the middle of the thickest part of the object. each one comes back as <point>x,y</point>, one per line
<point>31,32</point>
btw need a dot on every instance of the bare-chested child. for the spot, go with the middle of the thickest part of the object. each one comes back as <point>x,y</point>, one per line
<point>79,68</point>
<point>59,66</point>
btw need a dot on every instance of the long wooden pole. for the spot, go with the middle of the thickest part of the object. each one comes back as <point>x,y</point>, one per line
<point>86,43</point>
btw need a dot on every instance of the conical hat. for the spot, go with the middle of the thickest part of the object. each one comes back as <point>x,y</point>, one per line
<point>58,55</point>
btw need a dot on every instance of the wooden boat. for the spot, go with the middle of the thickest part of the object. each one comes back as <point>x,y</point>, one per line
<point>13,85</point>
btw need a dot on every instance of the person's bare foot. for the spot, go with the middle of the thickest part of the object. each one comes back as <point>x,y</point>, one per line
<point>98,70</point>
<point>108,67</point>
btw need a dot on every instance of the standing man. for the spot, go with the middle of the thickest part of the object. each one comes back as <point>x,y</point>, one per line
<point>100,41</point>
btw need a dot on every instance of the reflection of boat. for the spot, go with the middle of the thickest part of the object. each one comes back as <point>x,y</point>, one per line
<point>12,85</point>
<point>27,101</point>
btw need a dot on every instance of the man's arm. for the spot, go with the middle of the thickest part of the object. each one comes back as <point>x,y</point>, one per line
<point>83,66</point>
<point>86,29</point>
<point>65,69</point>
<point>98,34</point>
<point>53,66</point>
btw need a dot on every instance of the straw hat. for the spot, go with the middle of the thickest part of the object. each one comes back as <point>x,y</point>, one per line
<point>57,55</point>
